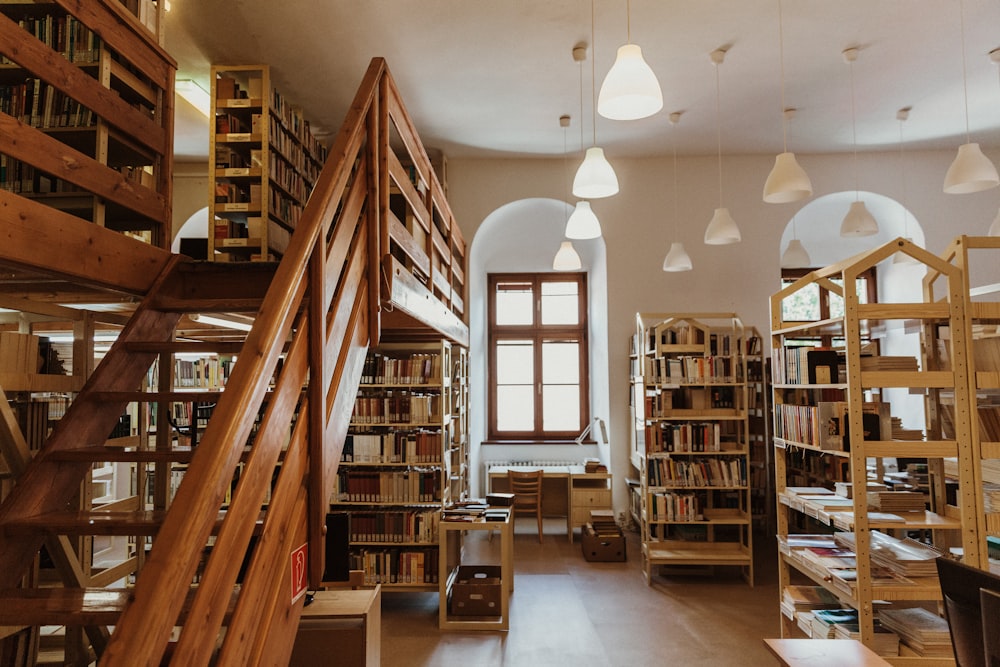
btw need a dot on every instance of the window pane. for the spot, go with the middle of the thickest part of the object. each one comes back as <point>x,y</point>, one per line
<point>561,362</point>
<point>515,408</point>
<point>514,303</point>
<point>560,303</point>
<point>803,306</point>
<point>562,407</point>
<point>515,362</point>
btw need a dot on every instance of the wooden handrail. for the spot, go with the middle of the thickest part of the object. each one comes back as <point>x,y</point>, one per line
<point>326,297</point>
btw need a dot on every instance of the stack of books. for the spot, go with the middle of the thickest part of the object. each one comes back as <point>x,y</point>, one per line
<point>906,557</point>
<point>896,501</point>
<point>889,363</point>
<point>824,621</point>
<point>796,599</point>
<point>921,630</point>
<point>885,641</point>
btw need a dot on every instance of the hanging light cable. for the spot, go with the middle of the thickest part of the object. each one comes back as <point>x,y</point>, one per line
<point>722,228</point>
<point>995,226</point>
<point>971,171</point>
<point>630,89</point>
<point>583,223</point>
<point>595,178</point>
<point>901,257</point>
<point>566,258</point>
<point>787,181</point>
<point>677,258</point>
<point>795,255</point>
<point>858,221</point>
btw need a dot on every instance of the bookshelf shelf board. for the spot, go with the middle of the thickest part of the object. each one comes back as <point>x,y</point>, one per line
<point>40,382</point>
<point>238,172</point>
<point>990,450</point>
<point>385,503</point>
<point>657,489</point>
<point>786,385</point>
<point>397,425</point>
<point>783,443</point>
<point>242,103</point>
<point>707,382</point>
<point>402,385</point>
<point>410,588</point>
<point>925,519</point>
<point>832,326</point>
<point>985,310</point>
<point>723,452</point>
<point>904,311</point>
<point>721,520</point>
<point>678,349</point>
<point>904,448</point>
<point>386,465</point>
<point>931,379</point>
<point>370,543</point>
<point>701,415</point>
<point>696,553</point>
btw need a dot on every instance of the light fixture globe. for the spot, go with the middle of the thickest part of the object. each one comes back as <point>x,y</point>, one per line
<point>795,256</point>
<point>970,172</point>
<point>630,90</point>
<point>583,223</point>
<point>595,177</point>
<point>677,259</point>
<point>858,221</point>
<point>722,229</point>
<point>787,181</point>
<point>566,258</point>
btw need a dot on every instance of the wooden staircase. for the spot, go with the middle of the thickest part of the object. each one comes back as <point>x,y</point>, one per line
<point>217,584</point>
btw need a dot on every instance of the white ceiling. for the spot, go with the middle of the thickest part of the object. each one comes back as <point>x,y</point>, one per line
<point>491,77</point>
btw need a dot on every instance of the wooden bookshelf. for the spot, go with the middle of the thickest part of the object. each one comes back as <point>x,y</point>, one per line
<point>265,163</point>
<point>691,440</point>
<point>838,430</point>
<point>86,116</point>
<point>405,458</point>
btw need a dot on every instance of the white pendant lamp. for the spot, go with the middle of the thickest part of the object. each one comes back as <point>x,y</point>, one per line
<point>722,228</point>
<point>971,171</point>
<point>566,258</point>
<point>901,257</point>
<point>595,178</point>
<point>630,89</point>
<point>583,223</point>
<point>787,181</point>
<point>677,258</point>
<point>858,221</point>
<point>795,255</point>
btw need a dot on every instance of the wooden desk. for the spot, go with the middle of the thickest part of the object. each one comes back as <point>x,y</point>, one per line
<point>449,560</point>
<point>824,653</point>
<point>566,491</point>
<point>345,623</point>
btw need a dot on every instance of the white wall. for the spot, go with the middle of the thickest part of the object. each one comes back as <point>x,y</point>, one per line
<point>637,225</point>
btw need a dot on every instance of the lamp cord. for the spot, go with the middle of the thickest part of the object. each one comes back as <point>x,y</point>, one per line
<point>965,79</point>
<point>854,134</point>
<point>902,181</point>
<point>628,21</point>
<point>673,141</point>
<point>781,56</point>
<point>718,128</point>
<point>593,70</point>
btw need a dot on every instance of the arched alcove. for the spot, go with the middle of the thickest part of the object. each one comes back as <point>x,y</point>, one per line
<point>195,227</point>
<point>817,226</point>
<point>523,236</point>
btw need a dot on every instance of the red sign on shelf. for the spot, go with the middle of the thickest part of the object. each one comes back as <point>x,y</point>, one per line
<point>299,563</point>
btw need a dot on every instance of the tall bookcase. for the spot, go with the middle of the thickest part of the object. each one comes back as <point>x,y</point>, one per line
<point>405,459</point>
<point>87,119</point>
<point>691,441</point>
<point>266,162</point>
<point>831,408</point>
<point>759,432</point>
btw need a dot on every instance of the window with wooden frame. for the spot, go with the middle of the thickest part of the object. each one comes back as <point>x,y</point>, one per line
<point>538,376</point>
<point>816,304</point>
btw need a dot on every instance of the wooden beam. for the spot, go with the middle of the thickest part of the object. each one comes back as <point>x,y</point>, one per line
<point>37,237</point>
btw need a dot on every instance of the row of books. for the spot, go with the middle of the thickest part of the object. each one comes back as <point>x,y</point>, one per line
<point>63,34</point>
<point>233,156</point>
<point>395,527</point>
<point>714,471</point>
<point>42,105</point>
<point>806,365</point>
<point>693,370</point>
<point>674,507</point>
<point>395,447</point>
<point>412,485</point>
<point>231,192</point>
<point>294,122</point>
<point>661,402</point>
<point>203,373</point>
<point>666,437</point>
<point>396,407</point>
<point>284,208</point>
<point>292,150</point>
<point>396,566</point>
<point>718,343</point>
<point>417,368</point>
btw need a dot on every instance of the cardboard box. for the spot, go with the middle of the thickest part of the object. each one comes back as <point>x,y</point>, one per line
<point>476,591</point>
<point>604,545</point>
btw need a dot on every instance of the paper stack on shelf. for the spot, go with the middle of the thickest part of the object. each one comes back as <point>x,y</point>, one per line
<point>885,642</point>
<point>796,599</point>
<point>905,557</point>
<point>889,363</point>
<point>825,621</point>
<point>900,433</point>
<point>923,631</point>
<point>896,501</point>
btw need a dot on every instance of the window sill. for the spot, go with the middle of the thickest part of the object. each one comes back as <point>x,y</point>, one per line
<point>566,441</point>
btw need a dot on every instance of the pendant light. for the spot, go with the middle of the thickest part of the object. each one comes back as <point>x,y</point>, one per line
<point>566,259</point>
<point>630,90</point>
<point>901,257</point>
<point>858,221</point>
<point>971,171</point>
<point>995,227</point>
<point>595,178</point>
<point>582,224</point>
<point>787,181</point>
<point>722,229</point>
<point>677,259</point>
<point>795,255</point>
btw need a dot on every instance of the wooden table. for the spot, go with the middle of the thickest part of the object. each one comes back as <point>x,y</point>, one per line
<point>447,568</point>
<point>824,653</point>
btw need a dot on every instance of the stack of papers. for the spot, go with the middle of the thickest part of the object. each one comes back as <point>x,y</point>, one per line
<point>923,631</point>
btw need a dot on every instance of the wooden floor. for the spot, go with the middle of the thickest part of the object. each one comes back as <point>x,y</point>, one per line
<point>566,611</point>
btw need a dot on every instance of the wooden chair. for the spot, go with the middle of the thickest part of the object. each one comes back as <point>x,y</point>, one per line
<point>527,490</point>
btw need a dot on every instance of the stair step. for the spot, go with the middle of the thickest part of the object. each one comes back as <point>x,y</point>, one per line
<point>71,606</point>
<point>182,396</point>
<point>170,304</point>
<point>220,347</point>
<point>98,453</point>
<point>93,522</point>
<point>62,606</point>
